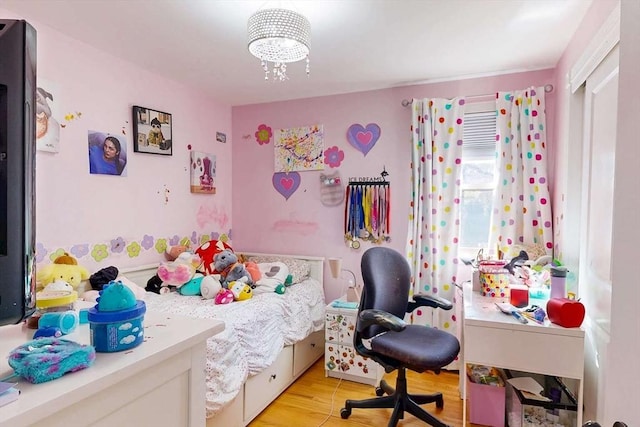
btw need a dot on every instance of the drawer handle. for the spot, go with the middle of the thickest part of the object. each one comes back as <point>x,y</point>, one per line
<point>273,377</point>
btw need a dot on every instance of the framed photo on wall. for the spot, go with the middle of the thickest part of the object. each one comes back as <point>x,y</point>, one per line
<point>151,131</point>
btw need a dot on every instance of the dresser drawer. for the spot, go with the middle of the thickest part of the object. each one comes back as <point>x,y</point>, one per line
<point>307,351</point>
<point>263,388</point>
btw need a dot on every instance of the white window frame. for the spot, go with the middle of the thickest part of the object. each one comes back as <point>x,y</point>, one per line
<point>477,107</point>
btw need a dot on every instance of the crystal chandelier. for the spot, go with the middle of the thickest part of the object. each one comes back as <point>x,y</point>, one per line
<point>279,36</point>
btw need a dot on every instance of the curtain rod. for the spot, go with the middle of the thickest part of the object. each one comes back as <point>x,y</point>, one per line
<point>547,88</point>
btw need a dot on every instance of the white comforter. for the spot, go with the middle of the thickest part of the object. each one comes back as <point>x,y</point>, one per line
<point>255,332</point>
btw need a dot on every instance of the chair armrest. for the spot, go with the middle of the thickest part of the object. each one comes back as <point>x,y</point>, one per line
<point>421,300</point>
<point>380,318</point>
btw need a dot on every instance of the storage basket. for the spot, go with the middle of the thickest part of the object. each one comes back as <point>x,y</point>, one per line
<point>523,412</point>
<point>494,279</point>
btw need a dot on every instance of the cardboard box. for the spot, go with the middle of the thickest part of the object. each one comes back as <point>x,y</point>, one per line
<point>523,412</point>
<point>486,404</point>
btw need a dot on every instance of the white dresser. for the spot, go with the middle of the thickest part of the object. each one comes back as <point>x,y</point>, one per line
<point>340,358</point>
<point>159,383</point>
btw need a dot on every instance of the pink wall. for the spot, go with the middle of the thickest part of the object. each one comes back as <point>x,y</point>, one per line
<point>265,221</point>
<point>103,219</point>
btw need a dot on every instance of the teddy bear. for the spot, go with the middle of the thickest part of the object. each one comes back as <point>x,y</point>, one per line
<point>64,268</point>
<point>226,263</point>
<point>207,251</point>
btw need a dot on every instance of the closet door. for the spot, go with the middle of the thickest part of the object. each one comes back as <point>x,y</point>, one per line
<point>600,116</point>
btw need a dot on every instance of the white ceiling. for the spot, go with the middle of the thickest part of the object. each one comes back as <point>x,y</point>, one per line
<point>356,45</point>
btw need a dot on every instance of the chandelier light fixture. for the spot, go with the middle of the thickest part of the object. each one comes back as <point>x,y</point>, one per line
<point>279,36</point>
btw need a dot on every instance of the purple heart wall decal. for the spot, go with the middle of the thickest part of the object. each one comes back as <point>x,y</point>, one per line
<point>286,183</point>
<point>363,138</point>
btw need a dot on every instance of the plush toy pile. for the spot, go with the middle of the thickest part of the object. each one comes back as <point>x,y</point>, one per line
<point>212,271</point>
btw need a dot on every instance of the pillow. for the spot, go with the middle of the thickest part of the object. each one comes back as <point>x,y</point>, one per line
<point>298,269</point>
<point>272,275</point>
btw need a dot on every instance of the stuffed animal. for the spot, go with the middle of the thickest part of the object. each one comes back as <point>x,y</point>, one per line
<point>177,273</point>
<point>173,252</point>
<point>225,296</point>
<point>207,251</point>
<point>210,286</point>
<point>64,268</point>
<point>241,291</point>
<point>226,262</point>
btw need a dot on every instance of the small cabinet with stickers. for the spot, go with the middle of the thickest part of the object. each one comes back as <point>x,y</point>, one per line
<point>340,357</point>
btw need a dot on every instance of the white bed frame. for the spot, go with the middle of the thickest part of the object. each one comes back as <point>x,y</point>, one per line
<point>260,390</point>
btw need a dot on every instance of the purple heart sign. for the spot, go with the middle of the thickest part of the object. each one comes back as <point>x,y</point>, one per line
<point>286,183</point>
<point>363,138</point>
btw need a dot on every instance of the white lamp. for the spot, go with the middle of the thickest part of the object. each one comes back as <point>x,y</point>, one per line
<point>353,292</point>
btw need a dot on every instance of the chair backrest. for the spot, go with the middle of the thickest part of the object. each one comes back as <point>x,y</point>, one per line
<point>386,275</point>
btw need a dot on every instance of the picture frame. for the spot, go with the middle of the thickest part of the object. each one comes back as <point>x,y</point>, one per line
<point>152,131</point>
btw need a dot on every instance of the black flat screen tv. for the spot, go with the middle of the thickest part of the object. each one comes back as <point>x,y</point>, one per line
<point>17,170</point>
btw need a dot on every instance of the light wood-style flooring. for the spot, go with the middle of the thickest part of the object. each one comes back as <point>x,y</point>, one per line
<point>314,401</point>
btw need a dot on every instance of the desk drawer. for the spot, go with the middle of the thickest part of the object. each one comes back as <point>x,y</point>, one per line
<point>533,351</point>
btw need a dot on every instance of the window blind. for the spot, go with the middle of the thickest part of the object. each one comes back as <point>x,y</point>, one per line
<point>479,136</point>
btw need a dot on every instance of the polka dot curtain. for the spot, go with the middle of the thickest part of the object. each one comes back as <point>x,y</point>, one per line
<point>521,207</point>
<point>434,216</point>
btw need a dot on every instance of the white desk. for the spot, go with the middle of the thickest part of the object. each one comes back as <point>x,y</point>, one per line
<point>493,338</point>
<point>159,383</point>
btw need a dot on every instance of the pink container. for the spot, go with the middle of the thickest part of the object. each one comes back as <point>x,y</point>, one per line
<point>486,404</point>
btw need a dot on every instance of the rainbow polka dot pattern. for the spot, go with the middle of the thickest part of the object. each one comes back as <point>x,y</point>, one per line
<point>434,216</point>
<point>521,208</point>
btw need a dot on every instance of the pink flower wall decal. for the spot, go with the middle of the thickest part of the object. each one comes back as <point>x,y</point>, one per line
<point>333,156</point>
<point>263,134</point>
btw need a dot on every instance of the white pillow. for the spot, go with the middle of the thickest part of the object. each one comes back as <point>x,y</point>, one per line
<point>272,274</point>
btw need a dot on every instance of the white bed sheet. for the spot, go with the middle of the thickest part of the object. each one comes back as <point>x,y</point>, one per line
<point>255,332</point>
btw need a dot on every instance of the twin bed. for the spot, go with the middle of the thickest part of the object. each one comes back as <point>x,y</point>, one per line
<point>268,341</point>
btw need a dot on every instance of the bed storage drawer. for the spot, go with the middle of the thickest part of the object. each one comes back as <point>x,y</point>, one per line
<point>263,388</point>
<point>307,351</point>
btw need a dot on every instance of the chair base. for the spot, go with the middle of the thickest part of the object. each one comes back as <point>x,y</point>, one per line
<point>400,401</point>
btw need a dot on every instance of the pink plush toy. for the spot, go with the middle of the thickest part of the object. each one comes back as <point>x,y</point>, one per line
<point>225,296</point>
<point>178,272</point>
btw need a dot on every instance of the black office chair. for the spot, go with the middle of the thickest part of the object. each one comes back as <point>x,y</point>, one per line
<point>393,343</point>
<point>595,424</point>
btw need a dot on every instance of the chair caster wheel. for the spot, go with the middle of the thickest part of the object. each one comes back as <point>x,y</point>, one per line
<point>344,413</point>
<point>379,391</point>
<point>440,403</point>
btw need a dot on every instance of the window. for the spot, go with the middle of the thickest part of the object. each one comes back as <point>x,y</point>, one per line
<point>478,176</point>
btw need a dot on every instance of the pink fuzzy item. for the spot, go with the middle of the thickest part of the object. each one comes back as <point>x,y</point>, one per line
<point>176,274</point>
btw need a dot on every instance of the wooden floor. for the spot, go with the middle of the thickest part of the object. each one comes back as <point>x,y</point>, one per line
<point>314,401</point>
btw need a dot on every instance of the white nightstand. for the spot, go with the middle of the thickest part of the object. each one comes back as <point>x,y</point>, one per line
<point>340,358</point>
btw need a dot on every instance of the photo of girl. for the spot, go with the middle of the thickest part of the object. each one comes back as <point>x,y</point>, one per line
<point>107,154</point>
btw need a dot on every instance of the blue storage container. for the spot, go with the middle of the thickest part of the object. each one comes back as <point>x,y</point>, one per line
<point>117,330</point>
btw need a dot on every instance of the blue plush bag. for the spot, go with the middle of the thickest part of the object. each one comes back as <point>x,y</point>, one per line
<point>46,359</point>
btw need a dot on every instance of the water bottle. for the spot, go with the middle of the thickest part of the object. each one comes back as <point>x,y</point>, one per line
<point>558,282</point>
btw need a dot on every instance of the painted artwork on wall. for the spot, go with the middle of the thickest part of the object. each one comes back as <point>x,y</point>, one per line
<point>203,173</point>
<point>299,149</point>
<point>363,138</point>
<point>151,131</point>
<point>47,126</point>
<point>107,154</point>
